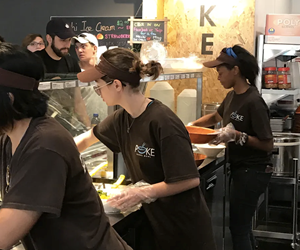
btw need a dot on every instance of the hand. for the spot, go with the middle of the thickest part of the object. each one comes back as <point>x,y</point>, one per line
<point>190,124</point>
<point>132,197</point>
<point>226,135</point>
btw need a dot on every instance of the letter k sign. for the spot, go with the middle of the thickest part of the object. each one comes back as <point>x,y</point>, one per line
<point>204,14</point>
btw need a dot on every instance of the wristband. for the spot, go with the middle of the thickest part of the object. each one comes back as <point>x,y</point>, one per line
<point>243,139</point>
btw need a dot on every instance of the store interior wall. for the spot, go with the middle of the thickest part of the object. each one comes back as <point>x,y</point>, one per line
<point>19,18</point>
<point>264,7</point>
<point>295,6</point>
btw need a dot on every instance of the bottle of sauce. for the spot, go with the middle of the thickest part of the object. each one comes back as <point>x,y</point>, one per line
<point>270,77</point>
<point>284,78</point>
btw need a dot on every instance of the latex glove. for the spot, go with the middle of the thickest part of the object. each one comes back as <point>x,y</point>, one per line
<point>227,134</point>
<point>131,198</point>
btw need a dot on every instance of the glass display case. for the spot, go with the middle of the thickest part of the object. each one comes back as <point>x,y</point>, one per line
<point>73,104</point>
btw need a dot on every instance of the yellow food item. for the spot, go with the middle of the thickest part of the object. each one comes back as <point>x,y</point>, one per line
<point>96,169</point>
<point>119,181</point>
<point>103,195</point>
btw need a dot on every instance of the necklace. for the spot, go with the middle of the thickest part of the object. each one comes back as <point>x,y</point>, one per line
<point>129,127</point>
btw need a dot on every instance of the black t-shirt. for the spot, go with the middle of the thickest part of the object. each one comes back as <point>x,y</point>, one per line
<point>47,176</point>
<point>157,148</point>
<point>248,113</point>
<point>66,64</point>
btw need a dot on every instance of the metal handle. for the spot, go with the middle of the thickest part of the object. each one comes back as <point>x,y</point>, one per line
<point>295,201</point>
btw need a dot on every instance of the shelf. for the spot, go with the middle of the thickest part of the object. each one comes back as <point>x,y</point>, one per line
<point>272,95</point>
<point>281,91</point>
<point>64,84</point>
<point>174,76</point>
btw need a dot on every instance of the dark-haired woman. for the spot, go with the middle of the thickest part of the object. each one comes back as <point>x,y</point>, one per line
<point>156,149</point>
<point>33,42</point>
<point>249,144</point>
<point>48,199</point>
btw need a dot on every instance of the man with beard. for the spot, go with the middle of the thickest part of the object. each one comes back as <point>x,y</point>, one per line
<point>56,56</point>
<point>59,64</point>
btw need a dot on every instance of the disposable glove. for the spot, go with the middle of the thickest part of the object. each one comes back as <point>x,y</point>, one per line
<point>131,198</point>
<point>226,134</point>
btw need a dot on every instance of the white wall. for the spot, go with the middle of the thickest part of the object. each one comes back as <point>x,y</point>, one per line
<point>295,6</point>
<point>264,7</point>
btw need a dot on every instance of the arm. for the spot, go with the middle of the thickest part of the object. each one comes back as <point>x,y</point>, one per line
<point>207,120</point>
<point>163,189</point>
<point>254,142</point>
<point>147,194</point>
<point>14,225</point>
<point>80,108</point>
<point>85,140</point>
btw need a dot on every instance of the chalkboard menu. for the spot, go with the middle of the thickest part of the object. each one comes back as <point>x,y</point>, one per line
<point>110,31</point>
<point>144,30</point>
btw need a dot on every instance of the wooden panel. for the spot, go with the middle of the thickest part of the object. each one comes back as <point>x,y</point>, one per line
<point>234,22</point>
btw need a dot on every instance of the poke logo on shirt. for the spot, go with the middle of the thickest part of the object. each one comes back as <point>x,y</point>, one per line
<point>144,151</point>
<point>235,116</point>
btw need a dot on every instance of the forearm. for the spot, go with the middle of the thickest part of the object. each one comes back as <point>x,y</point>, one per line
<point>80,108</point>
<point>85,140</point>
<point>14,224</point>
<point>254,142</point>
<point>163,189</point>
<point>207,120</point>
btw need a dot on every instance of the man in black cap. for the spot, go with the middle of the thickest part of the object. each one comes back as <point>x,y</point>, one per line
<point>59,63</point>
<point>56,55</point>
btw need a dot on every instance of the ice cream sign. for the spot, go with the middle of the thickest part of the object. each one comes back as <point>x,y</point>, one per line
<point>283,28</point>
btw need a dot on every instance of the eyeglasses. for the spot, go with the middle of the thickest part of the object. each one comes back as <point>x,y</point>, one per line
<point>97,88</point>
<point>36,44</point>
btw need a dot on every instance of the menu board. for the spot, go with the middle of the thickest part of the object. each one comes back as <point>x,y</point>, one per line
<point>110,31</point>
<point>143,30</point>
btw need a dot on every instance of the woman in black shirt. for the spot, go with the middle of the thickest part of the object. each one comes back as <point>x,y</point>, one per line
<point>250,139</point>
<point>156,149</point>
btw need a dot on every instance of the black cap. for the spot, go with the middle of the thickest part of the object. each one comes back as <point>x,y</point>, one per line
<point>59,28</point>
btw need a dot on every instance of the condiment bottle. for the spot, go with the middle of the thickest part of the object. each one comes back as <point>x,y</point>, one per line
<point>270,78</point>
<point>284,78</point>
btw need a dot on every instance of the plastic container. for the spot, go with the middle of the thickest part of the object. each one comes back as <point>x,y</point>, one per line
<point>163,92</point>
<point>270,77</point>
<point>186,105</point>
<point>284,78</point>
<point>95,120</point>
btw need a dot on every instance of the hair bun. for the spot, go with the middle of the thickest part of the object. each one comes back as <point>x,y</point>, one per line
<point>152,68</point>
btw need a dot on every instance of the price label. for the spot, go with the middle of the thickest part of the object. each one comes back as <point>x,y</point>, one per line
<point>58,85</point>
<point>82,84</point>
<point>70,84</point>
<point>44,85</point>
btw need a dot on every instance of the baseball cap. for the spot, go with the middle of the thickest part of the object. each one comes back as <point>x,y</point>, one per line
<point>59,28</point>
<point>227,56</point>
<point>85,38</point>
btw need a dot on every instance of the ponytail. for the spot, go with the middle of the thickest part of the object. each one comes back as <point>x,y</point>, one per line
<point>247,64</point>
